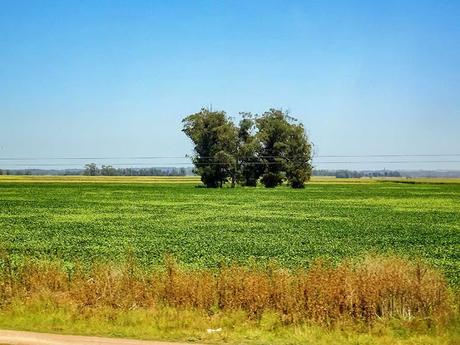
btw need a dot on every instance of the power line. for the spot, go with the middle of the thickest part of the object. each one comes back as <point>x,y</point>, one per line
<point>188,164</point>
<point>209,157</point>
<point>87,158</point>
<point>391,155</point>
<point>390,162</point>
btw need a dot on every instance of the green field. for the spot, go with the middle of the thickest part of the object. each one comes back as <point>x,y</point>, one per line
<point>86,220</point>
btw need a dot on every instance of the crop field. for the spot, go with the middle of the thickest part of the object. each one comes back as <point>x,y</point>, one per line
<point>100,219</point>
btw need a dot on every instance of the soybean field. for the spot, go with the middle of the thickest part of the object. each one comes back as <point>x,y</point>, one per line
<point>90,220</point>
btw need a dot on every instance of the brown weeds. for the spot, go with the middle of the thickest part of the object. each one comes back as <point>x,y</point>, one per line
<point>377,288</point>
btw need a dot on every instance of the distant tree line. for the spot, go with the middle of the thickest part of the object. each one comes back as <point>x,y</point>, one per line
<point>188,171</point>
<point>15,172</point>
<point>42,172</point>
<point>272,148</point>
<point>92,169</point>
<point>357,174</point>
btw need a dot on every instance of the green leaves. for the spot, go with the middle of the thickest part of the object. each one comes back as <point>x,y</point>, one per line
<point>215,143</point>
<point>272,146</point>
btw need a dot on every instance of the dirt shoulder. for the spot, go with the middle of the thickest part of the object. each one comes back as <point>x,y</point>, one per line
<point>32,338</point>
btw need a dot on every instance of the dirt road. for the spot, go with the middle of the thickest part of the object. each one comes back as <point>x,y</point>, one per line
<point>31,338</point>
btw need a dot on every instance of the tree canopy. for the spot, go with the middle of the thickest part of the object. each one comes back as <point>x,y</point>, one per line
<point>272,148</point>
<point>214,136</point>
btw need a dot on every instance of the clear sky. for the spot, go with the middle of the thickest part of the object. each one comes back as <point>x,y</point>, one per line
<point>115,78</point>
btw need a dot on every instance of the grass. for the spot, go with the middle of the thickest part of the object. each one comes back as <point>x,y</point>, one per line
<point>76,220</point>
<point>382,300</point>
<point>191,326</point>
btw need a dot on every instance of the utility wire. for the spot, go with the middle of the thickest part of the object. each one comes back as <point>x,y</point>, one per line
<point>209,157</point>
<point>391,155</point>
<point>186,164</point>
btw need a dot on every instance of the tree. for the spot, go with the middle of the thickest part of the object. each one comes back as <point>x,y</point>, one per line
<point>91,170</point>
<point>215,144</point>
<point>249,167</point>
<point>273,135</point>
<point>273,147</point>
<point>299,166</point>
<point>285,150</point>
<point>226,163</point>
<point>108,170</point>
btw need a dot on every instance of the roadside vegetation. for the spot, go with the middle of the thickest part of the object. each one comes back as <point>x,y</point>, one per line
<point>373,300</point>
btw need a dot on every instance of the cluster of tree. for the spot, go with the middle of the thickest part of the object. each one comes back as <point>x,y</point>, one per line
<point>42,172</point>
<point>16,172</point>
<point>271,148</point>
<point>357,174</point>
<point>107,170</point>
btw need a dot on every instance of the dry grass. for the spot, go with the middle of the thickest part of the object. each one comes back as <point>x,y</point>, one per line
<point>196,179</point>
<point>97,179</point>
<point>373,289</point>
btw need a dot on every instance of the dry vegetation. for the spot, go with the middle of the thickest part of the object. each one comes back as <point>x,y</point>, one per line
<point>323,294</point>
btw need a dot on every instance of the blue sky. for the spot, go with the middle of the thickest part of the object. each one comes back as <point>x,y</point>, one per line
<point>115,78</point>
